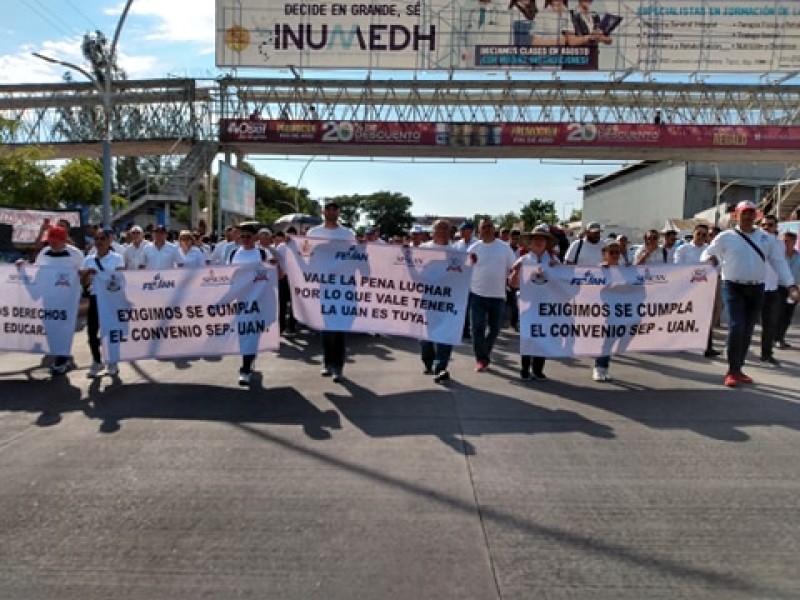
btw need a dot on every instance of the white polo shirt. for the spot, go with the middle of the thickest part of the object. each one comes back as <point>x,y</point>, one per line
<point>166,257</point>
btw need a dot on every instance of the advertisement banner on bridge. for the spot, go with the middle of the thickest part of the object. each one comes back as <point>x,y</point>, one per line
<point>606,35</point>
<point>565,135</point>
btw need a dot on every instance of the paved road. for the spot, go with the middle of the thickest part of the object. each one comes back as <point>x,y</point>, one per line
<point>172,482</point>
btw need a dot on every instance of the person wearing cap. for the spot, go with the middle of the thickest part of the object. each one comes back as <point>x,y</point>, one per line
<point>742,254</point>
<point>59,253</point>
<point>247,253</point>
<point>134,250</point>
<point>492,260</point>
<point>466,231</point>
<point>98,269</point>
<point>161,254</point>
<point>417,236</point>
<point>436,356</point>
<point>588,249</point>
<point>540,254</point>
<point>334,343</point>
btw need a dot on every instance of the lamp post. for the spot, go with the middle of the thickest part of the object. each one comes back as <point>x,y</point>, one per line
<point>105,89</point>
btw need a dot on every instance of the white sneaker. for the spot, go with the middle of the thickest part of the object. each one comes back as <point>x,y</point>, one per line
<point>94,370</point>
<point>599,374</point>
<point>244,378</point>
<point>112,369</point>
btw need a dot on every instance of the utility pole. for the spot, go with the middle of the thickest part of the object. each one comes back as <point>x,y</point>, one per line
<point>104,67</point>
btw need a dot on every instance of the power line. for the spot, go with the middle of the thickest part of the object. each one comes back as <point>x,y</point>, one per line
<point>45,16</point>
<point>91,23</point>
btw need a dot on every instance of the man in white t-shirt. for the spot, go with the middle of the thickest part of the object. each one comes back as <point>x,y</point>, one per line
<point>333,342</point>
<point>588,249</point>
<point>487,291</point>
<point>134,250</point>
<point>161,254</point>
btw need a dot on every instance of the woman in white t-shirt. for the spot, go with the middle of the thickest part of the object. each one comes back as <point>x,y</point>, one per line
<point>192,257</point>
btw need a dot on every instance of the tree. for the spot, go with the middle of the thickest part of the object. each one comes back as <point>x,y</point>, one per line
<point>390,210</point>
<point>23,181</point>
<point>576,215</point>
<point>80,181</point>
<point>538,211</point>
<point>508,220</point>
<point>350,208</point>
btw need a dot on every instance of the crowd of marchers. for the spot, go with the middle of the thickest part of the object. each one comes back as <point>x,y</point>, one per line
<point>758,275</point>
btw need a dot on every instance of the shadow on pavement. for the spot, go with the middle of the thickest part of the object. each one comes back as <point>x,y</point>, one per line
<point>437,413</point>
<point>50,397</point>
<point>194,402</point>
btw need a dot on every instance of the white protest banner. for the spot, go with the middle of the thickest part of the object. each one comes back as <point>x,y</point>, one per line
<point>38,308</point>
<point>189,312</point>
<point>379,288</point>
<point>596,311</point>
<point>27,221</point>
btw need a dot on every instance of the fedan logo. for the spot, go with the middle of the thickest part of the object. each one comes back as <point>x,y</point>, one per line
<point>588,278</point>
<point>63,280</point>
<point>699,275</point>
<point>647,278</point>
<point>212,279</point>
<point>351,254</point>
<point>158,284</point>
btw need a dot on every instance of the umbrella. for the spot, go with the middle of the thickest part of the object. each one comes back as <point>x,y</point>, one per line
<point>297,219</point>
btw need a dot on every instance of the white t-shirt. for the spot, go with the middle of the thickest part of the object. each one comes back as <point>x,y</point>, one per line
<point>73,257</point>
<point>111,263</point>
<point>489,273</point>
<point>166,257</point>
<point>134,257</point>
<point>193,258</point>
<point>689,254</point>
<point>244,256</point>
<point>325,233</point>
<point>590,254</point>
<point>741,263</point>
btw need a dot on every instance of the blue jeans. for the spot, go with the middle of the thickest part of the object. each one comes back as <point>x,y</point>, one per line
<point>435,355</point>
<point>743,304</point>
<point>485,312</point>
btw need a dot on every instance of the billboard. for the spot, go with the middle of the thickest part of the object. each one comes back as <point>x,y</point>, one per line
<point>28,221</point>
<point>564,135</point>
<point>237,191</point>
<point>606,35</point>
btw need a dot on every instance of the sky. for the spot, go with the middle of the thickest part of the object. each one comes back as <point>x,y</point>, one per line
<point>162,38</point>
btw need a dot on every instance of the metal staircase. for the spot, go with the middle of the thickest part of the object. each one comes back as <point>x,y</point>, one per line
<point>178,182</point>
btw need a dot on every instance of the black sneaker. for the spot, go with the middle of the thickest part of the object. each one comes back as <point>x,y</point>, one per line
<point>771,360</point>
<point>783,345</point>
<point>541,376</point>
<point>524,374</point>
<point>711,353</point>
<point>442,376</point>
<point>428,369</point>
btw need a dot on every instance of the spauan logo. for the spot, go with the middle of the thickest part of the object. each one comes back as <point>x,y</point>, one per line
<point>213,280</point>
<point>648,278</point>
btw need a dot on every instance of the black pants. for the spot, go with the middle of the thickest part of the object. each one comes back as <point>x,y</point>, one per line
<point>93,329</point>
<point>537,362</point>
<point>785,315</point>
<point>333,349</point>
<point>247,363</point>
<point>770,316</point>
<point>513,307</point>
<point>285,314</point>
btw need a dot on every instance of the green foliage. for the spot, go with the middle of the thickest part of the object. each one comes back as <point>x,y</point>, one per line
<point>390,210</point>
<point>350,208</point>
<point>79,181</point>
<point>509,220</point>
<point>275,198</point>
<point>538,211</point>
<point>24,182</point>
<point>576,215</point>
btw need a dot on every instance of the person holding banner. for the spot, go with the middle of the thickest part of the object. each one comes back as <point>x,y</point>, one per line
<point>333,342</point>
<point>612,255</point>
<point>493,260</point>
<point>191,256</point>
<point>742,254</point>
<point>58,253</point>
<point>99,269</point>
<point>540,255</point>
<point>435,356</point>
<point>651,253</point>
<point>247,253</point>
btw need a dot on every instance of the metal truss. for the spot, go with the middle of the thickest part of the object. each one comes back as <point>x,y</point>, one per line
<point>169,115</point>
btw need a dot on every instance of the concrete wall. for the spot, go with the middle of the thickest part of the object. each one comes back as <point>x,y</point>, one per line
<point>639,200</point>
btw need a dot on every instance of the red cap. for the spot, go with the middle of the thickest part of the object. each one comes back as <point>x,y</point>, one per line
<point>745,205</point>
<point>56,234</point>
